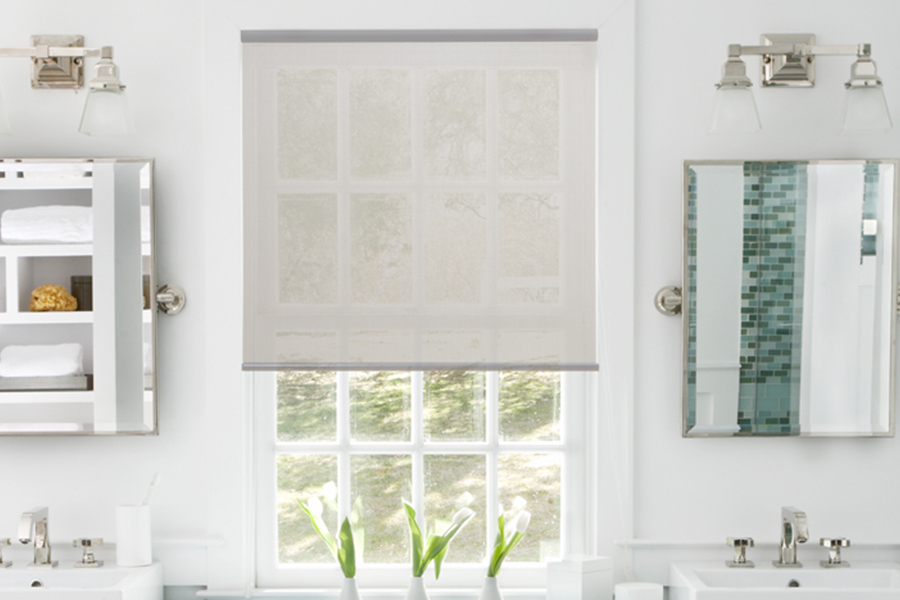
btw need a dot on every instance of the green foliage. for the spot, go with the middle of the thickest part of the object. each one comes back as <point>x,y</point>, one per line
<point>380,406</point>
<point>435,547</point>
<point>346,553</point>
<point>454,405</point>
<point>307,406</point>
<point>343,549</point>
<point>507,539</point>
<point>529,405</point>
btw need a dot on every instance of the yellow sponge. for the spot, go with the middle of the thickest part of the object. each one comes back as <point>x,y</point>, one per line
<point>52,297</point>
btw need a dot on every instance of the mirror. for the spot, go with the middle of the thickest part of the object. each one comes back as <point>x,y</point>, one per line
<point>77,316</point>
<point>789,300</point>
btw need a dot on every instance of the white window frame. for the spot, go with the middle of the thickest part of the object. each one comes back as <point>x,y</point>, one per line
<point>578,396</point>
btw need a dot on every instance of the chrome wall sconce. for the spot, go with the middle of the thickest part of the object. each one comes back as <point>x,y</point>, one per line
<point>58,63</point>
<point>788,60</point>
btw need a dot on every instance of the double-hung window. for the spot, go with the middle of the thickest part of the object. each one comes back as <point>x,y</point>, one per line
<point>419,293</point>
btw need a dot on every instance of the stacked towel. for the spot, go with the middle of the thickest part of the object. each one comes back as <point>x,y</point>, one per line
<point>60,360</point>
<point>47,225</point>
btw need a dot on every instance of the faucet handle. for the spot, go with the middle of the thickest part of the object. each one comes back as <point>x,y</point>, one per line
<point>740,546</point>
<point>834,546</point>
<point>88,544</point>
<point>4,542</point>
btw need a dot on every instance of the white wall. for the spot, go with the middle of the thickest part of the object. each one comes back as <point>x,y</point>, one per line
<point>180,59</point>
<point>706,489</point>
<point>82,479</point>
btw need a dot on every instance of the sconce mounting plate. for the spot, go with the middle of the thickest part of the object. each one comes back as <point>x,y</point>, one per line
<point>788,70</point>
<point>60,72</point>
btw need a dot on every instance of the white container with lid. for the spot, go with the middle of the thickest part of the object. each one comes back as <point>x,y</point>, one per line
<point>580,578</point>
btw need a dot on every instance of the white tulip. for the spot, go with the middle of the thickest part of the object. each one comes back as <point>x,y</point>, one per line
<point>522,521</point>
<point>461,515</point>
<point>519,503</point>
<point>329,490</point>
<point>465,499</point>
<point>315,506</point>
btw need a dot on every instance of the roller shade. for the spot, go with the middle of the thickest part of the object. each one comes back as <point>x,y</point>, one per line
<point>419,204</point>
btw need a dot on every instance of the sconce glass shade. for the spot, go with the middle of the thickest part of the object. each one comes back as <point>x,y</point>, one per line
<point>866,110</point>
<point>106,113</point>
<point>734,111</point>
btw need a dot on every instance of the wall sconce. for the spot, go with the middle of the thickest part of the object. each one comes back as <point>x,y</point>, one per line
<point>58,62</point>
<point>788,60</point>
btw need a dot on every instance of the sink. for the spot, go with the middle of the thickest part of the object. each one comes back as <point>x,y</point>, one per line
<point>108,582</point>
<point>715,581</point>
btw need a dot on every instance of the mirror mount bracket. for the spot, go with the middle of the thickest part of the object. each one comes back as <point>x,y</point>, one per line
<point>668,301</point>
<point>170,299</point>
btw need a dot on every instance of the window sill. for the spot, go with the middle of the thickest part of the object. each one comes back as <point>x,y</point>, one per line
<point>367,594</point>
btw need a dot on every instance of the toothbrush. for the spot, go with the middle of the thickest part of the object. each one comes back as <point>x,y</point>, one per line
<point>153,483</point>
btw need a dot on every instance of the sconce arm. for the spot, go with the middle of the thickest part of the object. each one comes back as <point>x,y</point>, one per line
<point>57,52</point>
<point>801,50</point>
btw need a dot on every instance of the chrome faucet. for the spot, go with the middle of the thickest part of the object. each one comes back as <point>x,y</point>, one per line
<point>793,531</point>
<point>34,525</point>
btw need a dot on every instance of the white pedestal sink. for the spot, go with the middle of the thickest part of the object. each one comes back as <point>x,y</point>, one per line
<point>108,582</point>
<point>715,581</point>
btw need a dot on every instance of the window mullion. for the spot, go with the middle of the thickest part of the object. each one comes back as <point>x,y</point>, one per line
<point>492,430</point>
<point>417,407</point>
<point>343,440</point>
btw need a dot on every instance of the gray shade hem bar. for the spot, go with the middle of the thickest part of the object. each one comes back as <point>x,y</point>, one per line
<point>418,367</point>
<point>275,36</point>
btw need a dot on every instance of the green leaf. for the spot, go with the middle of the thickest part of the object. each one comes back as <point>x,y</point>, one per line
<point>430,542</point>
<point>439,559</point>
<point>514,541</point>
<point>440,542</point>
<point>321,528</point>
<point>347,550</point>
<point>416,537</point>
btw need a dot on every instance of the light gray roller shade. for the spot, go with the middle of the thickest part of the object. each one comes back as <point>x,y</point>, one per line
<point>422,205</point>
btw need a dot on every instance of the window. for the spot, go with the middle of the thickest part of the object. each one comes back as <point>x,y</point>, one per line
<point>419,294</point>
<point>363,441</point>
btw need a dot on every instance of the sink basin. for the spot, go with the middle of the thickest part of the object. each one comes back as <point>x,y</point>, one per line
<point>108,582</point>
<point>715,581</point>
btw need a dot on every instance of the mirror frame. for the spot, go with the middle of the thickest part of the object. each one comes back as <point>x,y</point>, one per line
<point>686,296</point>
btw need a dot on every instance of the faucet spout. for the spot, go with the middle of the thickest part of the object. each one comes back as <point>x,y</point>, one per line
<point>794,530</point>
<point>34,525</point>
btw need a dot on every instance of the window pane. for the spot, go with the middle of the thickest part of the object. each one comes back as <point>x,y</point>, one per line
<point>380,406</point>
<point>307,123</point>
<point>307,406</point>
<point>307,248</point>
<point>455,133</point>
<point>299,477</point>
<point>379,484</point>
<point>529,406</point>
<point>381,261</point>
<point>536,479</point>
<point>380,139</point>
<point>453,481</point>
<point>529,124</point>
<point>454,406</point>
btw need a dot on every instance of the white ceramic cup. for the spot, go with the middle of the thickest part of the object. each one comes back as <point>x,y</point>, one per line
<point>133,546</point>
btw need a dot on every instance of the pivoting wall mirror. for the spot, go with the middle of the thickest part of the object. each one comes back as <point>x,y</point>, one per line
<point>789,298</point>
<point>77,297</point>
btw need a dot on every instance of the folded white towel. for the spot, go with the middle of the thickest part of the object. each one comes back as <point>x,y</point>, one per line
<point>47,225</point>
<point>59,360</point>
